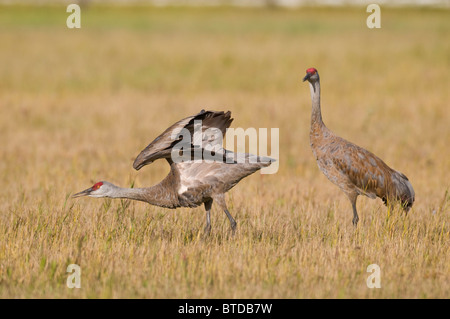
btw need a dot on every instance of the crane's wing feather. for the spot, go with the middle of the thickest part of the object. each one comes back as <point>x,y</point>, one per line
<point>364,169</point>
<point>198,180</point>
<point>373,177</point>
<point>212,125</point>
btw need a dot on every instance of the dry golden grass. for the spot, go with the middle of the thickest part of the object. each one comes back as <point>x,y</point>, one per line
<point>78,105</point>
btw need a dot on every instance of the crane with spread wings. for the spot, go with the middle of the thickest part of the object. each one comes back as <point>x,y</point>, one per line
<point>192,181</point>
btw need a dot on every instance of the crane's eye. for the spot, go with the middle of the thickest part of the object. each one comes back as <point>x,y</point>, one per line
<point>97,186</point>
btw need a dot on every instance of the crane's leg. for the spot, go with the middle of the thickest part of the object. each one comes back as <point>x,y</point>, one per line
<point>355,214</point>
<point>221,201</point>
<point>208,205</point>
<point>352,197</point>
<point>232,221</point>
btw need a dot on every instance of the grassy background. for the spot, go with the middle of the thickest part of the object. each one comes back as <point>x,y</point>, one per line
<point>77,106</point>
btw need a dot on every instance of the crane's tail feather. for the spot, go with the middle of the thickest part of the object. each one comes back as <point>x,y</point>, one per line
<point>403,191</point>
<point>242,158</point>
<point>265,160</point>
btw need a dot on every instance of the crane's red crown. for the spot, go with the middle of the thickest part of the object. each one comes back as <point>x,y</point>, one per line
<point>311,71</point>
<point>97,186</point>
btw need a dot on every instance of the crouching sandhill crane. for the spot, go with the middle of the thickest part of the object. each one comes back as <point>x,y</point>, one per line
<point>353,169</point>
<point>193,182</point>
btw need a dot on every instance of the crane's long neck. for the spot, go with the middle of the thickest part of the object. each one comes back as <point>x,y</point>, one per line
<point>157,195</point>
<point>316,114</point>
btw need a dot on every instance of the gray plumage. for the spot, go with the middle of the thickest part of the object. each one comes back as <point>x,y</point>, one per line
<point>353,169</point>
<point>193,182</point>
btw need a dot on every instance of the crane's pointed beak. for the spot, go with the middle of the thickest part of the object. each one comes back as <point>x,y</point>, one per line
<point>83,193</point>
<point>307,76</point>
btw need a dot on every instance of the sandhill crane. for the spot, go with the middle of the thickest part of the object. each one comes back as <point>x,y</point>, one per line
<point>189,183</point>
<point>353,169</point>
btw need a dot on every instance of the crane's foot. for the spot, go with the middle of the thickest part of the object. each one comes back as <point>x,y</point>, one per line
<point>233,227</point>
<point>355,221</point>
<point>207,230</point>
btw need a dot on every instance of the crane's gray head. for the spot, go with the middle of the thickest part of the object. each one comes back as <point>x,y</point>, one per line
<point>311,75</point>
<point>100,189</point>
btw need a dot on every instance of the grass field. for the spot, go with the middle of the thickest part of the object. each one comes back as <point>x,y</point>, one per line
<point>77,106</point>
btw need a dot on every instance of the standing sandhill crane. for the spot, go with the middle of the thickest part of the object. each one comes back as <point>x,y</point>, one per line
<point>353,169</point>
<point>193,182</point>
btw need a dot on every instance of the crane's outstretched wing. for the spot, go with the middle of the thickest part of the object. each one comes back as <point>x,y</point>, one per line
<point>161,147</point>
<point>198,181</point>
